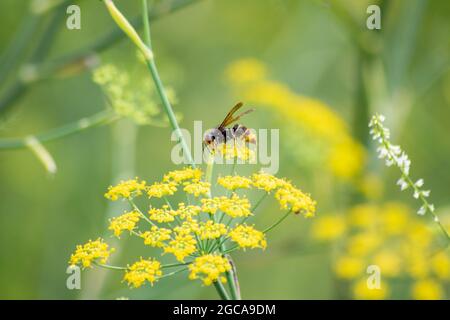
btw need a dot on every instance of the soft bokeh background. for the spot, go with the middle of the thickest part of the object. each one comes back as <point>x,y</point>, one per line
<point>321,51</point>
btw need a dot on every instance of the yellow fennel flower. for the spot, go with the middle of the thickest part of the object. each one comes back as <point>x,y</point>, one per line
<point>235,206</point>
<point>295,200</point>
<point>266,181</point>
<point>248,237</point>
<point>178,176</point>
<point>211,205</point>
<point>427,289</point>
<point>348,267</point>
<point>161,215</point>
<point>182,246</point>
<point>156,236</point>
<point>126,189</point>
<point>211,230</point>
<point>440,263</point>
<point>246,71</point>
<point>187,227</point>
<point>329,227</point>
<point>161,189</point>
<point>141,271</point>
<point>87,253</point>
<point>197,188</point>
<point>389,262</point>
<point>233,150</point>
<point>234,182</point>
<point>209,268</point>
<point>187,212</point>
<point>362,291</point>
<point>127,221</point>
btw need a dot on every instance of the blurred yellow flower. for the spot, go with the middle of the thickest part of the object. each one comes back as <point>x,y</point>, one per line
<point>363,292</point>
<point>211,230</point>
<point>391,237</point>
<point>427,289</point>
<point>348,267</point>
<point>388,261</point>
<point>329,227</point>
<point>343,156</point>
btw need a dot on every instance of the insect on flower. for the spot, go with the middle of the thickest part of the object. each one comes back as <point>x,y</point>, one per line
<point>222,134</point>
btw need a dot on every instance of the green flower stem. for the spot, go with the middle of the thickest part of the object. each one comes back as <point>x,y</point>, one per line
<point>171,265</point>
<point>148,54</point>
<point>412,185</point>
<point>277,223</point>
<point>172,273</point>
<point>100,118</point>
<point>107,266</point>
<point>255,207</point>
<point>221,290</point>
<point>82,58</point>
<point>232,278</point>
<point>135,207</point>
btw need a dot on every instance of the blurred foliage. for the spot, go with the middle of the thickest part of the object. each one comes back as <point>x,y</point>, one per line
<point>318,49</point>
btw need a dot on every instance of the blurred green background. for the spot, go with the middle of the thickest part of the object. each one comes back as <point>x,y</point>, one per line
<point>319,49</point>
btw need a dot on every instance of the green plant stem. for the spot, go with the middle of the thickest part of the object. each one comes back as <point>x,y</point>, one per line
<point>97,119</point>
<point>221,290</point>
<point>107,266</point>
<point>160,88</point>
<point>277,223</point>
<point>81,59</point>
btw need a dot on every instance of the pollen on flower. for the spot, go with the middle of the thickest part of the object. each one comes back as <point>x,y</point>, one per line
<point>295,200</point>
<point>211,230</point>
<point>126,189</point>
<point>182,246</point>
<point>197,188</point>
<point>233,150</point>
<point>89,252</point>
<point>178,176</point>
<point>156,236</point>
<point>161,215</point>
<point>161,189</point>
<point>234,182</point>
<point>209,268</point>
<point>248,237</point>
<point>141,271</point>
<point>126,221</point>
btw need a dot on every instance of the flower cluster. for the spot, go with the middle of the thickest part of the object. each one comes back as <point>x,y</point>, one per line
<point>133,99</point>
<point>91,252</point>
<point>197,235</point>
<point>389,237</point>
<point>323,134</point>
<point>394,155</point>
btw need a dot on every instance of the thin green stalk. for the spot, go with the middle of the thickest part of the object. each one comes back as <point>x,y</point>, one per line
<point>81,58</point>
<point>160,87</point>
<point>232,278</point>
<point>277,223</point>
<point>221,290</point>
<point>107,266</point>
<point>100,118</point>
